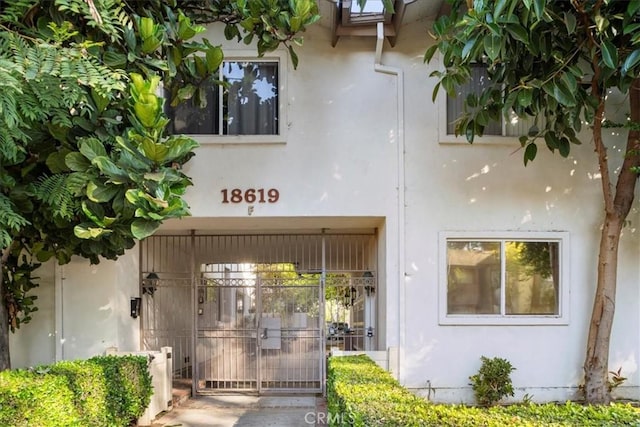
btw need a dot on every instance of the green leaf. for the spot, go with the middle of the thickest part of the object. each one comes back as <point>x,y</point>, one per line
<point>154,151</point>
<point>114,59</point>
<point>563,94</point>
<point>609,54</point>
<point>91,148</point>
<point>141,228</point>
<point>633,7</point>
<point>428,55</point>
<point>631,28</point>
<point>530,153</point>
<point>492,45</point>
<point>631,61</point>
<point>499,7</point>
<point>84,231</point>
<point>570,22</point>
<point>518,32</point>
<point>214,58</point>
<point>77,162</point>
<point>56,161</point>
<point>99,193</point>
<point>525,96</point>
<point>538,8</point>
<point>178,146</point>
<point>113,172</point>
<point>564,147</point>
<point>552,141</point>
<point>468,47</point>
<point>294,56</point>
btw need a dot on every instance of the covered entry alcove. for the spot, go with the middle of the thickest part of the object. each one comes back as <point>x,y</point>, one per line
<point>258,312</point>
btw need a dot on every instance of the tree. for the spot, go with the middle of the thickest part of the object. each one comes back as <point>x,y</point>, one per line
<point>555,62</point>
<point>86,166</point>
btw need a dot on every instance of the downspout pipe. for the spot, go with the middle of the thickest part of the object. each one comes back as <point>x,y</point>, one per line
<point>396,71</point>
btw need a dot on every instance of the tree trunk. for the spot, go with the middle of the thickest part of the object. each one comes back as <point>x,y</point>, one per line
<point>5,357</point>
<point>596,365</point>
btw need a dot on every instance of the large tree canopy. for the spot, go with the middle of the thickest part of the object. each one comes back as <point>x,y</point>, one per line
<point>555,61</point>
<point>86,166</point>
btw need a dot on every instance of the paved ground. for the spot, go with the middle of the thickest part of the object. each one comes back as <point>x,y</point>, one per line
<point>246,411</point>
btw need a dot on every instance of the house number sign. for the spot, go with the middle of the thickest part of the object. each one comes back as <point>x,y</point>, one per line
<point>250,195</point>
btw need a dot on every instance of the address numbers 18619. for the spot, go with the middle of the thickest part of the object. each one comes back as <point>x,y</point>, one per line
<point>250,195</point>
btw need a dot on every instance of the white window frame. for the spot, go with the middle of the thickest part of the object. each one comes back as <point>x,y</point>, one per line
<point>283,124</point>
<point>447,138</point>
<point>562,318</point>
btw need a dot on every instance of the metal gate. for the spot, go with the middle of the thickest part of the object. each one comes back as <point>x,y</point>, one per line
<point>257,312</point>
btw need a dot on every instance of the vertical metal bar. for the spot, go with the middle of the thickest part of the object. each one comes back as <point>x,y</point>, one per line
<point>323,277</point>
<point>194,325</point>
<point>259,356</point>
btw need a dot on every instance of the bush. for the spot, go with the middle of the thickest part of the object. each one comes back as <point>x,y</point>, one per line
<point>102,391</point>
<point>493,381</point>
<point>360,393</point>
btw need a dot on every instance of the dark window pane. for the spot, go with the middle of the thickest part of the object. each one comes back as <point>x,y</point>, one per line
<point>251,100</point>
<point>189,118</point>
<point>249,104</point>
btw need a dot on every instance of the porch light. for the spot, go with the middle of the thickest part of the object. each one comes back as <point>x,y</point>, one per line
<point>369,284</point>
<point>150,283</point>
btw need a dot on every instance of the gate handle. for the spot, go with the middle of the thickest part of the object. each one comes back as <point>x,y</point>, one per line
<point>264,334</point>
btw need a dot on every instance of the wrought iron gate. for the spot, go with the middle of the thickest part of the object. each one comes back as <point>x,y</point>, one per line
<point>257,312</point>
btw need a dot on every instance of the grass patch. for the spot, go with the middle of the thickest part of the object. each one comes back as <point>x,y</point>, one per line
<point>360,393</point>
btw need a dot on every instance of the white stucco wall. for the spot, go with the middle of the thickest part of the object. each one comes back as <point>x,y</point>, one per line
<point>347,162</point>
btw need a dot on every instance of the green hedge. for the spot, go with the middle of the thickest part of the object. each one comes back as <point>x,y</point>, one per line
<point>360,393</point>
<point>101,391</point>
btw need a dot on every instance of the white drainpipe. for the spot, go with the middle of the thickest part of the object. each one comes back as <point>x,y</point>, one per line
<point>395,71</point>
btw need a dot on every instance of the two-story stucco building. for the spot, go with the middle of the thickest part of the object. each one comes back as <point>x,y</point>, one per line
<point>333,207</point>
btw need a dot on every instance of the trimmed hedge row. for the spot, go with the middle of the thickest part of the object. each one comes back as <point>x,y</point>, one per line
<point>101,391</point>
<point>360,393</point>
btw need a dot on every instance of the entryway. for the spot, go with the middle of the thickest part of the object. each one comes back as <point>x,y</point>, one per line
<point>258,313</point>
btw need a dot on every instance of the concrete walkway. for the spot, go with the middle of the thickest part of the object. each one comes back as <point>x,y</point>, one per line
<point>246,411</point>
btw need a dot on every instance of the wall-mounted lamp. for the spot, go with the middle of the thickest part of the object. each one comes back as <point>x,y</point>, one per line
<point>150,283</point>
<point>136,303</point>
<point>369,283</point>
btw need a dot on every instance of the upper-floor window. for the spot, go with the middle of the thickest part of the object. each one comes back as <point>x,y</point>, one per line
<point>513,279</point>
<point>511,126</point>
<point>247,107</point>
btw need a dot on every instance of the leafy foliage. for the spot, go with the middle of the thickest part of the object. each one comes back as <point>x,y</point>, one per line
<point>86,166</point>
<point>360,393</point>
<point>493,381</point>
<point>102,391</point>
<point>555,63</point>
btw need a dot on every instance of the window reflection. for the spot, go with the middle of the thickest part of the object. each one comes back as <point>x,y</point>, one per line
<point>503,277</point>
<point>247,104</point>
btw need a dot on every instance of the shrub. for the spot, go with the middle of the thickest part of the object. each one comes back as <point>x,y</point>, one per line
<point>36,399</point>
<point>493,381</point>
<point>360,393</point>
<point>102,391</point>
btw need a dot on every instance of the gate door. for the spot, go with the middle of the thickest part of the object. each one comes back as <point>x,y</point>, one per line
<point>289,331</point>
<point>258,328</point>
<point>249,312</point>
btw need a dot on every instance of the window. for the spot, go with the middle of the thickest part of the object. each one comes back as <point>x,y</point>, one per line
<point>512,279</point>
<point>512,126</point>
<point>247,108</point>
